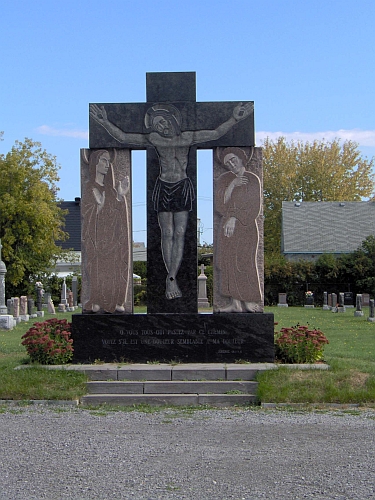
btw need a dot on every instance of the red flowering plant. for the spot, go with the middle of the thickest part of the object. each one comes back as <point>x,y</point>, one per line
<point>299,344</point>
<point>49,343</point>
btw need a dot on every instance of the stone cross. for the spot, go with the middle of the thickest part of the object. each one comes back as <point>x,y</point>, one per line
<point>171,125</point>
<point>202,289</point>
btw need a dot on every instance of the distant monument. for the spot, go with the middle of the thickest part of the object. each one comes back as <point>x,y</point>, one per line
<point>171,125</point>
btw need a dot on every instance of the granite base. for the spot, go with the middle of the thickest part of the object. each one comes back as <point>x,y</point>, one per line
<point>185,338</point>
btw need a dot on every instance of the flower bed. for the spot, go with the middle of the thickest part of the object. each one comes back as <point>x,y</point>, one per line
<point>49,342</point>
<point>299,344</point>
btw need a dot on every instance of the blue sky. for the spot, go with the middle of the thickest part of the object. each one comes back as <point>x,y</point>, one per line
<point>309,65</point>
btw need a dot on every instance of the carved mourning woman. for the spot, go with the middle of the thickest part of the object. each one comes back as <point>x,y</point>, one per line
<point>237,199</point>
<point>105,237</point>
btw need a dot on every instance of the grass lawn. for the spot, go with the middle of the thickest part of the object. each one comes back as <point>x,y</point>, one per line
<point>34,382</point>
<point>350,353</point>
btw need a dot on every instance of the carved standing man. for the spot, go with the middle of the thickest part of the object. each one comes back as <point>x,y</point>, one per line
<point>174,193</point>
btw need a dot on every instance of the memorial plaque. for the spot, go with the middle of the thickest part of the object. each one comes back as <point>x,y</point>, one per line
<point>189,338</point>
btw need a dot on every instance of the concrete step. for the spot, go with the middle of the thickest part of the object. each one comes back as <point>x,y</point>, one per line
<point>169,399</point>
<point>189,371</point>
<point>171,387</point>
<point>212,384</point>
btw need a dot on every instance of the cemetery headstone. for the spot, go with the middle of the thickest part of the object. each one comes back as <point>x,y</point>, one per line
<point>171,125</point>
<point>358,311</point>
<point>371,317</point>
<point>282,300</point>
<point>16,309</point>
<point>348,299</point>
<point>16,305</point>
<point>63,300</point>
<point>6,319</point>
<point>3,271</point>
<point>202,289</point>
<point>46,299</point>
<point>330,300</point>
<point>326,306</point>
<point>23,308</point>
<point>75,291</point>
<point>341,306</point>
<point>309,300</point>
<point>51,307</point>
<point>10,306</point>
<point>365,299</point>
<point>334,302</point>
<point>30,306</point>
<point>39,295</point>
<point>70,299</point>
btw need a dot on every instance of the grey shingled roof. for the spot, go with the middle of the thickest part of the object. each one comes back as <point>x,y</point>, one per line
<point>72,225</point>
<point>326,227</point>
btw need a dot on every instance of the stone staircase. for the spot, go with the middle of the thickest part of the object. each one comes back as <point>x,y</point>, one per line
<point>164,384</point>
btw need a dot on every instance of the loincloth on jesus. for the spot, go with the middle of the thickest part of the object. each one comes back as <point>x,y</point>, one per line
<point>173,196</point>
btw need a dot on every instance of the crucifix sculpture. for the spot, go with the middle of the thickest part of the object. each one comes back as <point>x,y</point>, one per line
<point>171,125</point>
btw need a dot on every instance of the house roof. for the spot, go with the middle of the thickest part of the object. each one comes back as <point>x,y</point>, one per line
<point>72,225</point>
<point>326,227</point>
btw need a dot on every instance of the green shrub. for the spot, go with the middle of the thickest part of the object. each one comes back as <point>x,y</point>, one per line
<point>299,344</point>
<point>49,342</point>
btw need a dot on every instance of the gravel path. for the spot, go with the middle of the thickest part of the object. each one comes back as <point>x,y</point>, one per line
<point>71,453</point>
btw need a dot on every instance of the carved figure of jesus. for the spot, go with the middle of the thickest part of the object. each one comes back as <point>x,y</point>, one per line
<point>174,192</point>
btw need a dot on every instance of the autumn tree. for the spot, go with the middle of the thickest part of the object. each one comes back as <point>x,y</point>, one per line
<point>30,219</point>
<point>311,171</point>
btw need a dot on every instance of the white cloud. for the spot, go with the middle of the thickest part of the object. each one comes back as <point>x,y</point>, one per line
<point>47,130</point>
<point>362,137</point>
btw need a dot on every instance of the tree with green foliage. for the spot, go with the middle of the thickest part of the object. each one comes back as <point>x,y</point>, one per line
<point>311,171</point>
<point>31,220</point>
<point>358,267</point>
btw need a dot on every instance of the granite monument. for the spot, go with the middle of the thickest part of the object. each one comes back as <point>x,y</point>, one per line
<point>171,125</point>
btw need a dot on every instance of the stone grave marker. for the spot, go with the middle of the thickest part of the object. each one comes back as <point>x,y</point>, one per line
<point>348,299</point>
<point>51,306</point>
<point>326,306</point>
<point>16,305</point>
<point>171,125</point>
<point>371,317</point>
<point>358,311</point>
<point>334,307</point>
<point>75,291</point>
<point>341,307</point>
<point>23,308</point>
<point>39,296</point>
<point>62,307</point>
<point>365,299</point>
<point>6,319</point>
<point>282,300</point>
<point>202,289</point>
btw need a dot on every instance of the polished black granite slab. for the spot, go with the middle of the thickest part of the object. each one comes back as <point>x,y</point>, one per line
<point>189,338</point>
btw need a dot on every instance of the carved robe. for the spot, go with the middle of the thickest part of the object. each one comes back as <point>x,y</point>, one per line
<point>236,256</point>
<point>105,238</point>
